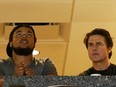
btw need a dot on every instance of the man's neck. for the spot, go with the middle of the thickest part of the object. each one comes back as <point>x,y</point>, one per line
<point>26,60</point>
<point>101,65</point>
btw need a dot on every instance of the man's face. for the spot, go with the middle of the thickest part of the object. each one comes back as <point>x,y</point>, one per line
<point>23,41</point>
<point>97,48</point>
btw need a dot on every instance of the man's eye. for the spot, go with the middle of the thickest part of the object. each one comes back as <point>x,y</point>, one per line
<point>29,34</point>
<point>99,44</point>
<point>18,35</point>
<point>90,44</point>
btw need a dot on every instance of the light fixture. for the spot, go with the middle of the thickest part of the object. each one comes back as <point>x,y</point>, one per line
<point>35,52</point>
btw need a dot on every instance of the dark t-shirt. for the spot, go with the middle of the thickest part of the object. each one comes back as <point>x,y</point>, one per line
<point>40,66</point>
<point>111,70</point>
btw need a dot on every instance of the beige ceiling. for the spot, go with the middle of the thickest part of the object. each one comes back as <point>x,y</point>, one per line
<point>57,10</point>
<point>95,10</point>
<point>35,10</point>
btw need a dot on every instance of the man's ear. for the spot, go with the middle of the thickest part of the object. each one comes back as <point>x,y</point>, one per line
<point>110,49</point>
<point>10,44</point>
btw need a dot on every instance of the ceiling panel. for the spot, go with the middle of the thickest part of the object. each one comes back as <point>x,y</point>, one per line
<point>94,10</point>
<point>35,10</point>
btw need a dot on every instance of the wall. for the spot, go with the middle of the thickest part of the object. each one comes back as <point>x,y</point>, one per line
<point>76,18</point>
<point>77,56</point>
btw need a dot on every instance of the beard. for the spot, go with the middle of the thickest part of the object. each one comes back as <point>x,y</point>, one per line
<point>22,51</point>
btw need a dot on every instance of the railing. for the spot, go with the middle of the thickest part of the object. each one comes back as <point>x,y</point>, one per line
<point>56,81</point>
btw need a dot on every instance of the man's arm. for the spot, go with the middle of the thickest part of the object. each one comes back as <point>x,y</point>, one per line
<point>1,80</point>
<point>49,68</point>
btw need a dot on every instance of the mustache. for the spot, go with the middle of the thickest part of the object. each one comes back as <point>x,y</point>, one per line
<point>24,41</point>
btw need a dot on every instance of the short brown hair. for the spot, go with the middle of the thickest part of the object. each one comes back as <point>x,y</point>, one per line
<point>102,32</point>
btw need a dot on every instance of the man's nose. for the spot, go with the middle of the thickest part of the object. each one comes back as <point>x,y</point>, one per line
<point>94,47</point>
<point>24,35</point>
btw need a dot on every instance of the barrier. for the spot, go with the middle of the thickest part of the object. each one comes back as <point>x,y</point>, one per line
<point>61,81</point>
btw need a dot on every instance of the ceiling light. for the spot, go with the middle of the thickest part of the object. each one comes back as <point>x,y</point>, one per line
<point>35,52</point>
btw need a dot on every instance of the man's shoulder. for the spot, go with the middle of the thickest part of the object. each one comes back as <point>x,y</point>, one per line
<point>6,62</point>
<point>42,60</point>
<point>112,65</point>
<point>86,72</point>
